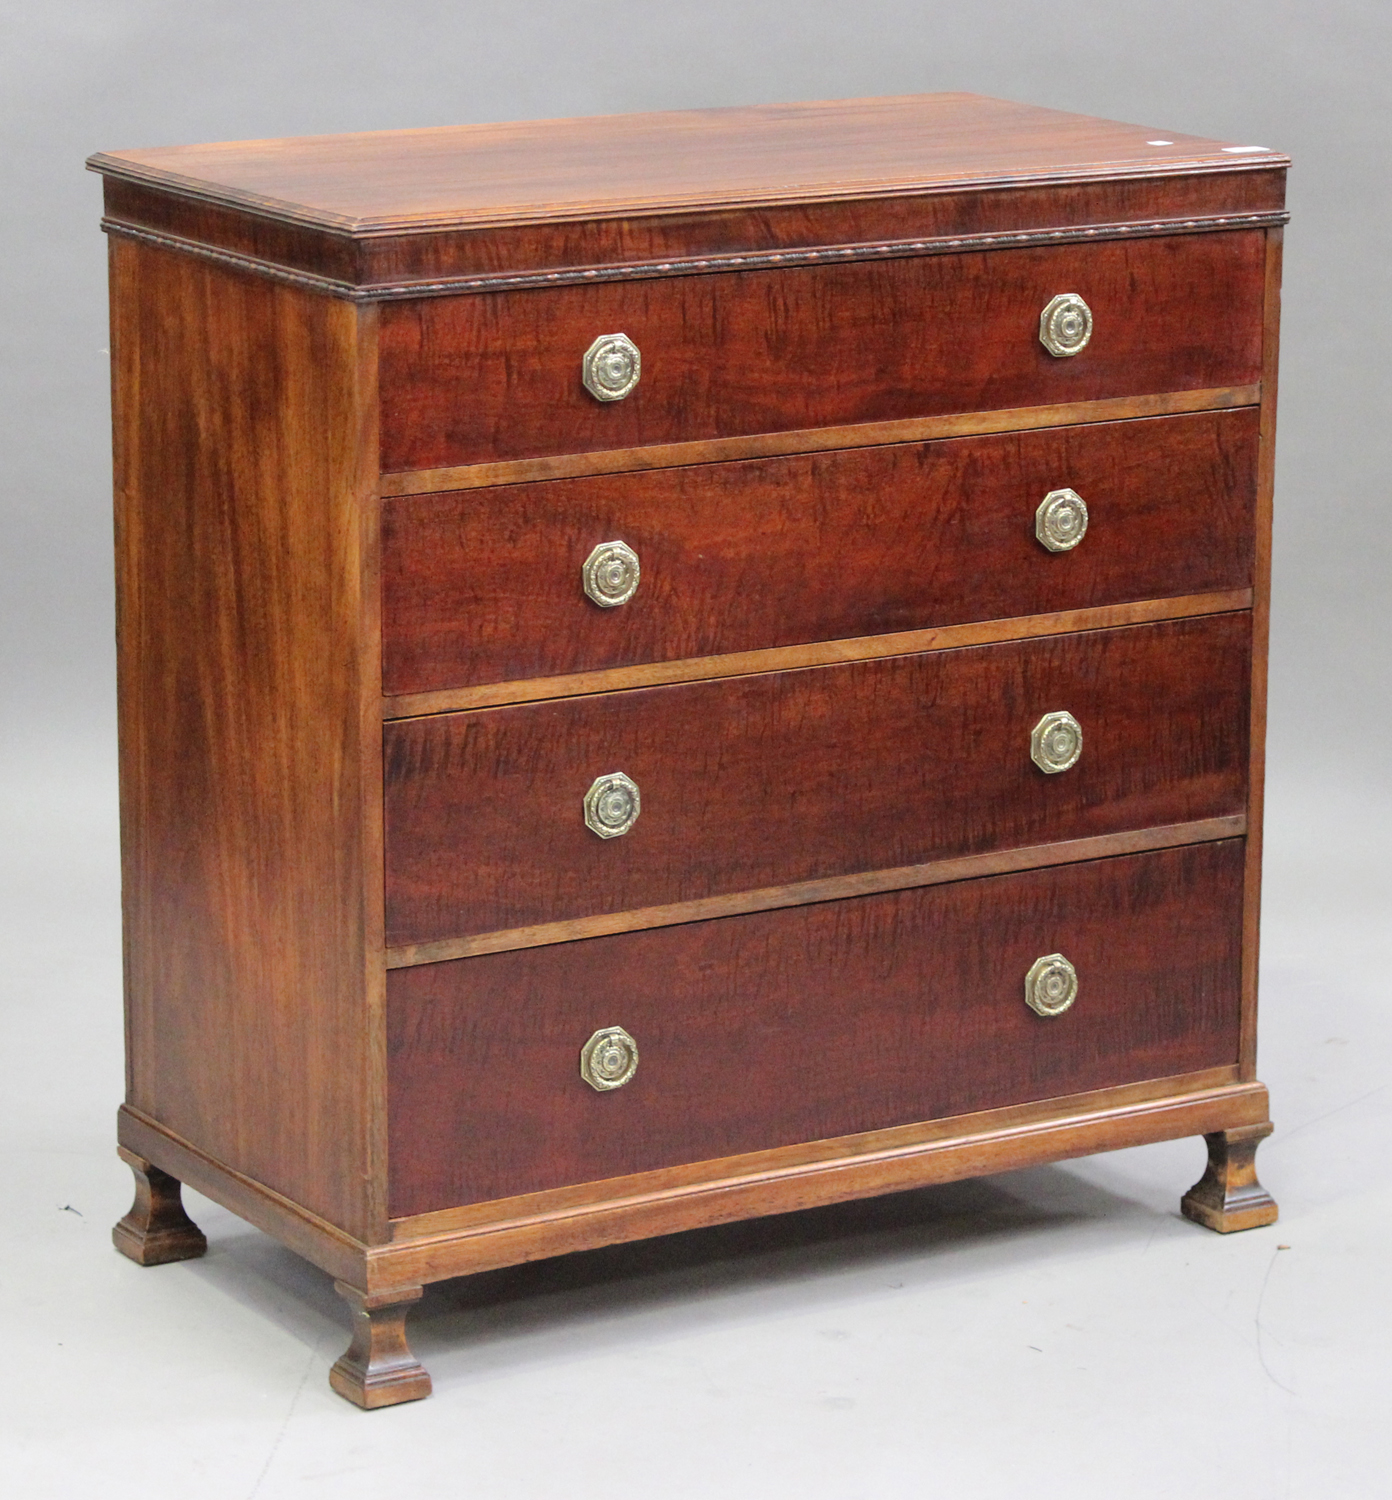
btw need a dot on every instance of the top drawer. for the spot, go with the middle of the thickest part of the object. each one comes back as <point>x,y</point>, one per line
<point>489,377</point>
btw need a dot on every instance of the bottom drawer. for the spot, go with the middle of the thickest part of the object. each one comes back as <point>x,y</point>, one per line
<point>806,1023</point>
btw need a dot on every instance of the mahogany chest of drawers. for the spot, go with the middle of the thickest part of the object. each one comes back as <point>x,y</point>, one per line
<point>683,666</point>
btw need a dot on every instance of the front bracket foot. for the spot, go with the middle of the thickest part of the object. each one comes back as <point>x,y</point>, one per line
<point>1228,1196</point>
<point>379,1368</point>
<point>156,1230</point>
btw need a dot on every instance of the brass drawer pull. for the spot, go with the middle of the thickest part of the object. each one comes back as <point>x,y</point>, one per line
<point>1065,325</point>
<point>612,805</point>
<point>610,574</point>
<point>611,367</point>
<point>1061,521</point>
<point>1056,742</point>
<point>609,1059</point>
<point>1051,985</point>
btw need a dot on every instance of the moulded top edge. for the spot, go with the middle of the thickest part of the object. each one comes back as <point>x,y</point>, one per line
<point>679,161</point>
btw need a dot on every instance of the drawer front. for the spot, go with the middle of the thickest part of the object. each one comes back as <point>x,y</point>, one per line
<point>759,781</point>
<point>487,377</point>
<point>483,586</point>
<point>807,1023</point>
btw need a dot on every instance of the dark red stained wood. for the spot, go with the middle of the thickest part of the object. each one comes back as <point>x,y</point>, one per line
<point>763,780</point>
<point>1261,634</point>
<point>645,243</point>
<point>484,586</point>
<point>799,1025</point>
<point>250,803</point>
<point>529,170</point>
<point>470,379</point>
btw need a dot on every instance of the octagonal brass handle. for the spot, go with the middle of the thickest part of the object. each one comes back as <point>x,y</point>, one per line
<point>1056,742</point>
<point>1061,521</point>
<point>609,1059</point>
<point>1051,985</point>
<point>611,367</point>
<point>612,805</point>
<point>1065,325</point>
<point>610,574</point>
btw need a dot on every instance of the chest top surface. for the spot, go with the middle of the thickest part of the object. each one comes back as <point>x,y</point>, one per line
<point>619,164</point>
<point>471,207</point>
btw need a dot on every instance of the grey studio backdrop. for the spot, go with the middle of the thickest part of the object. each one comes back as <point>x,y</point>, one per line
<point>1060,1331</point>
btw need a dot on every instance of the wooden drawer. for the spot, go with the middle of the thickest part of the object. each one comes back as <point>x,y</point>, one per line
<point>803,1024</point>
<point>493,376</point>
<point>759,781</point>
<point>482,586</point>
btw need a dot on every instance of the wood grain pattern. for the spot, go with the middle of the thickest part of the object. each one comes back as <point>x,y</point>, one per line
<point>610,165</point>
<point>1261,634</point>
<point>157,1230</point>
<point>378,1368</point>
<point>761,781</point>
<point>485,586</point>
<point>447,263</point>
<point>497,376</point>
<point>806,1024</point>
<point>870,1148</point>
<point>846,859</point>
<point>815,440</point>
<point>249,753</point>
<point>328,1246</point>
<point>1228,1197</point>
<point>816,654</point>
<point>838,888</point>
<point>1060,1135</point>
<point>456,1242</point>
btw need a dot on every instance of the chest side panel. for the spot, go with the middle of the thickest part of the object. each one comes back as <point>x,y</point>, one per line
<point>250,781</point>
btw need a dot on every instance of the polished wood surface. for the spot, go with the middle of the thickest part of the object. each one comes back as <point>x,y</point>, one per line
<point>837,888</point>
<point>815,440</point>
<point>157,1229</point>
<point>1228,1196</point>
<point>869,1149</point>
<point>378,1368</point>
<point>485,586</point>
<point>580,168</point>
<point>475,379</point>
<point>809,1023</point>
<point>458,1241</point>
<point>376,265</point>
<point>815,654</point>
<point>1058,1134</point>
<point>846,860</point>
<point>760,781</point>
<point>1261,635</point>
<point>336,1250</point>
<point>249,753</point>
